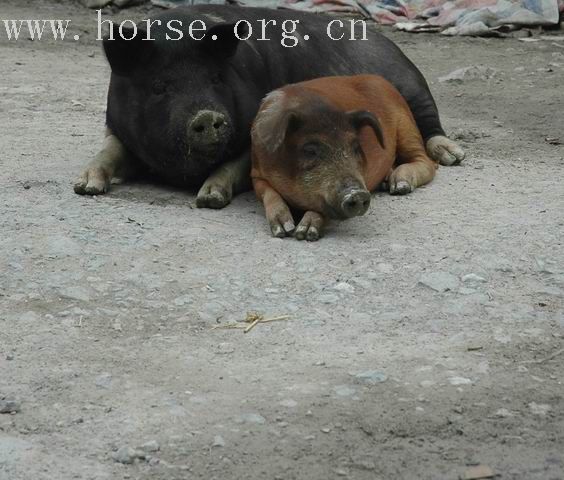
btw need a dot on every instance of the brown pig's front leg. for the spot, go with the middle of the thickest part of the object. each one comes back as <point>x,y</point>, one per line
<point>311,227</point>
<point>277,212</point>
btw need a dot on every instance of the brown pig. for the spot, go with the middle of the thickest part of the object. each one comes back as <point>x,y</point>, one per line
<point>323,145</point>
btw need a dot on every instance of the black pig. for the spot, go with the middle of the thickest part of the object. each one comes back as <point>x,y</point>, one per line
<point>183,109</point>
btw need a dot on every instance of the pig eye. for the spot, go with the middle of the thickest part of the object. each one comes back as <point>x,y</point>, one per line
<point>215,79</point>
<point>357,149</point>
<point>310,150</point>
<point>159,87</point>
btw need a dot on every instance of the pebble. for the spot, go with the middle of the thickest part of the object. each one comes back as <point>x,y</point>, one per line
<point>427,383</point>
<point>385,267</point>
<point>225,348</point>
<point>371,377</point>
<point>474,72</point>
<point>326,430</point>
<point>344,287</point>
<point>183,300</point>
<point>503,413</point>
<point>328,298</point>
<point>218,441</point>
<point>127,455</point>
<point>344,390</point>
<point>150,446</point>
<point>473,278</point>
<point>8,405</point>
<point>63,247</point>
<point>439,281</point>
<point>459,381</point>
<point>539,408</point>
<point>289,403</point>
<point>104,380</point>
<point>251,418</point>
<point>75,293</point>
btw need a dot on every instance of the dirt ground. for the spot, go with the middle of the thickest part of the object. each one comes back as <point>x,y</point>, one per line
<point>107,304</point>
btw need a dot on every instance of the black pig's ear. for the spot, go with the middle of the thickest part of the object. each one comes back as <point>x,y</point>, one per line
<point>226,41</point>
<point>275,121</point>
<point>361,118</point>
<point>125,55</point>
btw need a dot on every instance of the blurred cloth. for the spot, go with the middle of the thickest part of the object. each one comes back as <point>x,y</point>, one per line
<point>450,17</point>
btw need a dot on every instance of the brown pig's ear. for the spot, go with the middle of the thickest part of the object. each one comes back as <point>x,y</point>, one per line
<point>361,118</point>
<point>274,122</point>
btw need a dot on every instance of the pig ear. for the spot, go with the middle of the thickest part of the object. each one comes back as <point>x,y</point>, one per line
<point>274,122</point>
<point>226,42</point>
<point>361,118</point>
<point>125,55</point>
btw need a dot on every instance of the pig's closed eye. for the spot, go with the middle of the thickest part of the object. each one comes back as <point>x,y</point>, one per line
<point>310,150</point>
<point>159,87</point>
<point>357,149</point>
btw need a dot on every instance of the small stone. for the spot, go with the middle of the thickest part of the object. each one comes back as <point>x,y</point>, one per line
<point>459,381</point>
<point>539,409</point>
<point>503,413</point>
<point>371,377</point>
<point>473,278</point>
<point>96,3</point>
<point>328,298</point>
<point>218,441</point>
<point>75,293</point>
<point>9,357</point>
<point>225,348</point>
<point>183,300</point>
<point>427,383</point>
<point>474,72</point>
<point>289,403</point>
<point>478,472</point>
<point>439,281</point>
<point>326,430</point>
<point>150,446</point>
<point>63,246</point>
<point>8,405</point>
<point>251,418</point>
<point>104,380</point>
<point>127,455</point>
<point>344,391</point>
<point>344,287</point>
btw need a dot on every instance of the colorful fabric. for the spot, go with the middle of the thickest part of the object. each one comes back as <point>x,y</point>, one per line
<point>451,17</point>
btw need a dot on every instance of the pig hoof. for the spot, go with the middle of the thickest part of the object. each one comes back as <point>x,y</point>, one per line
<point>311,234</point>
<point>212,197</point>
<point>445,151</point>
<point>310,227</point>
<point>281,229</point>
<point>400,188</point>
<point>93,181</point>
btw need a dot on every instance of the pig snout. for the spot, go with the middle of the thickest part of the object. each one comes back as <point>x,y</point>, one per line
<point>207,130</point>
<point>354,202</point>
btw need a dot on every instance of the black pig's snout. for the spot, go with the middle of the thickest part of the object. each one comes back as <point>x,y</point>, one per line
<point>207,129</point>
<point>355,202</point>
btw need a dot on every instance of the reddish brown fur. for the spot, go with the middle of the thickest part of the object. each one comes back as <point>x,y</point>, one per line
<point>402,160</point>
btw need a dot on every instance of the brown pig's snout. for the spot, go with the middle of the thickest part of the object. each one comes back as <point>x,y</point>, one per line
<point>354,202</point>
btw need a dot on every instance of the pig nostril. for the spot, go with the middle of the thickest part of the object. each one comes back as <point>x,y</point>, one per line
<point>218,124</point>
<point>199,128</point>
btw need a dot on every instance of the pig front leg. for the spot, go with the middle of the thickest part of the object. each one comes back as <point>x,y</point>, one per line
<point>277,211</point>
<point>112,164</point>
<point>310,227</point>
<point>415,168</point>
<point>230,178</point>
<point>443,150</point>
